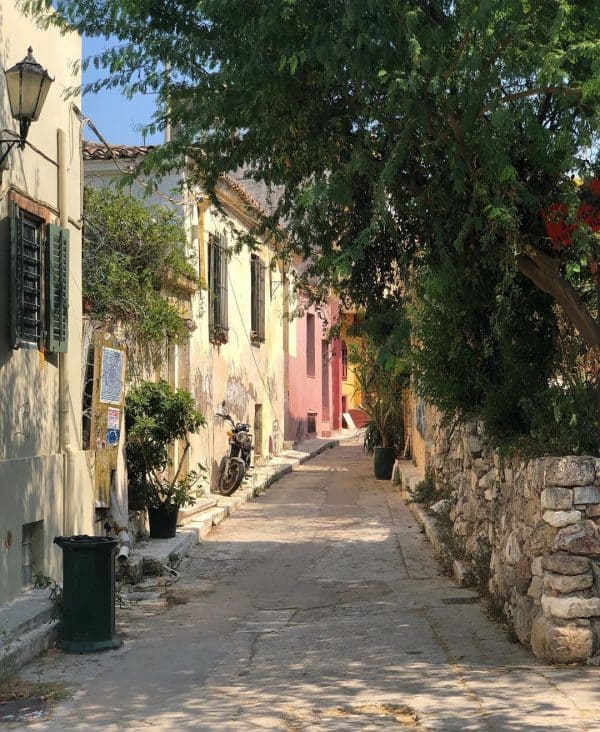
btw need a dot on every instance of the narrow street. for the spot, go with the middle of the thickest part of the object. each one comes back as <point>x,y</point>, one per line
<point>319,606</point>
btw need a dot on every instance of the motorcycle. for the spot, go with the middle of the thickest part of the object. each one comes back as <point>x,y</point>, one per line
<point>234,466</point>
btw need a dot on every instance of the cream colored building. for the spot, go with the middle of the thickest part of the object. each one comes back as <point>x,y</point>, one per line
<point>46,487</point>
<point>234,358</point>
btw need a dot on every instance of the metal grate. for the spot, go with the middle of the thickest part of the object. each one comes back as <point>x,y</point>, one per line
<point>460,600</point>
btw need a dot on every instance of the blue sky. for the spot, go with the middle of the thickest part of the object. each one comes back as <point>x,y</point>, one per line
<point>114,115</point>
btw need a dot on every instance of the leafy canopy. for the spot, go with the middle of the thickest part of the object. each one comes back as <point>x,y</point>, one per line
<point>414,139</point>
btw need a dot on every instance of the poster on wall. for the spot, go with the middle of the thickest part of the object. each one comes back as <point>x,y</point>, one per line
<point>111,381</point>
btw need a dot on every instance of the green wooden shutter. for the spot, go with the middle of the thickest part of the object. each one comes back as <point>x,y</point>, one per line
<point>58,289</point>
<point>261,300</point>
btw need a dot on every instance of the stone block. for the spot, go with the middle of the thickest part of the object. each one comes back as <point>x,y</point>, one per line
<point>586,494</point>
<point>522,575</point>
<point>557,498</point>
<point>536,588</point>
<point>542,537</point>
<point>512,550</point>
<point>522,611</point>
<point>490,494</point>
<point>565,564</point>
<point>460,572</point>
<point>561,518</point>
<point>582,538</point>
<point>570,471</point>
<point>568,583</point>
<point>536,567</point>
<point>489,479</point>
<point>555,643</point>
<point>571,607</point>
<point>593,511</point>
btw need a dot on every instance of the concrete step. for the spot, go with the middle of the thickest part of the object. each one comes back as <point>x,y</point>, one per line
<point>27,628</point>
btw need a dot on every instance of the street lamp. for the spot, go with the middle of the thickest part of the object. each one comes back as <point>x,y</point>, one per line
<point>27,84</point>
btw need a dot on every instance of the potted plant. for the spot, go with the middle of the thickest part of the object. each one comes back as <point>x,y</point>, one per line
<point>156,416</point>
<point>381,385</point>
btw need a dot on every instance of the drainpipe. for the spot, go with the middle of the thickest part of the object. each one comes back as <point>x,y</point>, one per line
<point>64,393</point>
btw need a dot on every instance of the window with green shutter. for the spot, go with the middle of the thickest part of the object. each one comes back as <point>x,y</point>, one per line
<point>57,273</point>
<point>39,282</point>
<point>218,321</point>
<point>257,301</point>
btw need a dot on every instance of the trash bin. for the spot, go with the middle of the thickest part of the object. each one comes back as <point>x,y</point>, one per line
<point>88,601</point>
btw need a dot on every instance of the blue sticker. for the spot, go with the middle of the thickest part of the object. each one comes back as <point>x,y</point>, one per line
<point>112,436</point>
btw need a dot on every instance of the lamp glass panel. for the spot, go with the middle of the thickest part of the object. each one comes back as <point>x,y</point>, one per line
<point>12,83</point>
<point>30,93</point>
<point>46,82</point>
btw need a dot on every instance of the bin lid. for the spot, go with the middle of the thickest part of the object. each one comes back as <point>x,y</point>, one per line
<point>84,541</point>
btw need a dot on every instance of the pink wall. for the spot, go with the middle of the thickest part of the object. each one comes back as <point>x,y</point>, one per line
<point>305,392</point>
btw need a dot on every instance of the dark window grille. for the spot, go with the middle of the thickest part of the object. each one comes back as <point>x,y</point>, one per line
<point>26,280</point>
<point>344,361</point>
<point>39,284</point>
<point>257,302</point>
<point>218,322</point>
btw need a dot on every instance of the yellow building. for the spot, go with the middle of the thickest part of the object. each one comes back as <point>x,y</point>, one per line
<point>46,486</point>
<point>233,360</point>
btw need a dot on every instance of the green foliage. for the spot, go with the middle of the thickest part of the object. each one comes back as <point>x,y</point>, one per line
<point>371,438</point>
<point>42,581</point>
<point>425,491</point>
<point>381,383</point>
<point>412,139</point>
<point>132,253</point>
<point>156,415</point>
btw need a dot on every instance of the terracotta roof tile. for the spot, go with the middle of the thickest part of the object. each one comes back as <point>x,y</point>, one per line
<point>97,151</point>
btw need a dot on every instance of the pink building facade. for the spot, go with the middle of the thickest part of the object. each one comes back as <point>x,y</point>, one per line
<point>314,372</point>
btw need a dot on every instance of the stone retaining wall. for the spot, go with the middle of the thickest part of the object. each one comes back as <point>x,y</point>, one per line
<point>532,528</point>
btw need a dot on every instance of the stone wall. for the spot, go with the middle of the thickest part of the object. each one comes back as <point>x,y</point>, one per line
<point>532,529</point>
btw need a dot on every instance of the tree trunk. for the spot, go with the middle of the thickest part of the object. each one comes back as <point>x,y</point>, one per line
<point>544,272</point>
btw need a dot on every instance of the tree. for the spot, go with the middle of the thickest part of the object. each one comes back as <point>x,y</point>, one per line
<point>413,139</point>
<point>399,129</point>
<point>133,255</point>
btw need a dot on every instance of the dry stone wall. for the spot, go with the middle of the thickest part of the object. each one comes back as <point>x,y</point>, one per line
<point>532,528</point>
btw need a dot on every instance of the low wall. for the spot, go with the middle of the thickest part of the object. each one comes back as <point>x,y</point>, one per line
<point>531,529</point>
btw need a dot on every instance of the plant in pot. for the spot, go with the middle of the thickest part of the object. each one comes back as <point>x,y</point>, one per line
<point>156,417</point>
<point>381,384</point>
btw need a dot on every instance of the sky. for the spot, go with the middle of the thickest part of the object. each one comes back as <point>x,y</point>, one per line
<point>115,116</point>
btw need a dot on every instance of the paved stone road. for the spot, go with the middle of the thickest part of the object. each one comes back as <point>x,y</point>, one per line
<point>319,607</point>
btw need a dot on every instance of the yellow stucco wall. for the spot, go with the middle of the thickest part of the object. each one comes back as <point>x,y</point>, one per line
<point>350,387</point>
<point>240,373</point>
<point>32,466</point>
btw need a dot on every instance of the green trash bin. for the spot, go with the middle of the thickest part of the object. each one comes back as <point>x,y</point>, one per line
<point>88,601</point>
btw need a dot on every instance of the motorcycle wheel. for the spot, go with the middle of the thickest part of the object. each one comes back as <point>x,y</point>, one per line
<point>231,474</point>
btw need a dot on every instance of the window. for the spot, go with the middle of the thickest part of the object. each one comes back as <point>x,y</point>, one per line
<point>344,361</point>
<point>257,305</point>
<point>311,423</point>
<point>310,344</point>
<point>325,379</point>
<point>217,288</point>
<point>39,302</point>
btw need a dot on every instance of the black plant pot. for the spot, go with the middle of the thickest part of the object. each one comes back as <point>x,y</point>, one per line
<point>163,521</point>
<point>383,462</point>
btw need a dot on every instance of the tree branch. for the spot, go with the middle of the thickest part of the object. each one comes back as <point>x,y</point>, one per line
<point>543,271</point>
<point>572,91</point>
